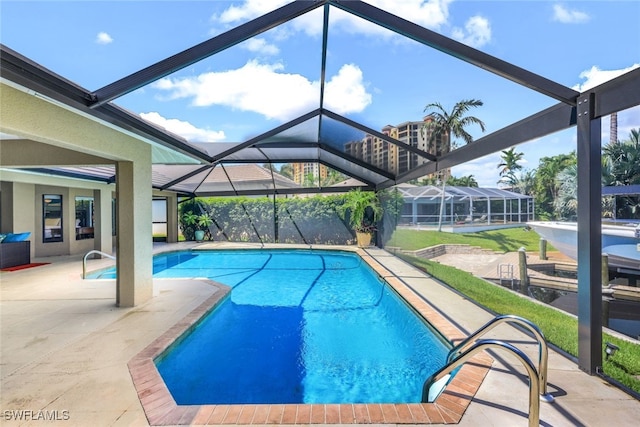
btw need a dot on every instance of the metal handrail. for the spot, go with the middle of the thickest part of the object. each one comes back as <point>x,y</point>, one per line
<point>534,383</point>
<point>84,260</point>
<point>543,350</point>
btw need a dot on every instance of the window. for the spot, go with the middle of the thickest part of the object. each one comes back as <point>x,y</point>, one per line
<point>52,218</point>
<point>113,217</point>
<point>84,218</point>
<point>159,220</point>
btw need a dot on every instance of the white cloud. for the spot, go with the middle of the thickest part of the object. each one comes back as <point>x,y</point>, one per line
<point>627,119</point>
<point>484,170</point>
<point>476,32</point>
<point>595,76</point>
<point>567,16</point>
<point>428,13</point>
<point>260,45</point>
<point>103,38</point>
<point>249,9</point>
<point>267,90</point>
<point>345,92</point>
<point>184,129</point>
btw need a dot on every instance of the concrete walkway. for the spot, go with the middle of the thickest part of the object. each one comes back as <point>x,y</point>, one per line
<point>488,265</point>
<point>65,347</point>
<point>580,399</point>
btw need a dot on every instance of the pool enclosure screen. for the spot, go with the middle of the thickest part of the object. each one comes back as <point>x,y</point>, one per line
<point>328,132</point>
<point>308,219</point>
<point>460,206</point>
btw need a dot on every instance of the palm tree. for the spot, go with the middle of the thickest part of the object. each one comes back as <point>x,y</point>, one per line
<point>525,183</point>
<point>509,165</point>
<point>608,202</point>
<point>463,181</point>
<point>333,177</point>
<point>188,224</point>
<point>427,180</point>
<point>440,125</point>
<point>566,205</point>
<point>613,129</point>
<point>566,202</point>
<point>623,160</point>
<point>546,186</point>
<point>204,221</point>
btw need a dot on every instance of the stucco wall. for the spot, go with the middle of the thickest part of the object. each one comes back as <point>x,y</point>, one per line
<point>22,210</point>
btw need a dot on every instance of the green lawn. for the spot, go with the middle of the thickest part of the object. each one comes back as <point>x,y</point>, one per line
<point>559,329</point>
<point>504,240</point>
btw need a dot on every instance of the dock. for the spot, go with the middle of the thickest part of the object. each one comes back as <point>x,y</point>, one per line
<point>504,268</point>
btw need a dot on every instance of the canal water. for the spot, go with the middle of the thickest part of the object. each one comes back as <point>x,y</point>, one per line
<point>622,316</point>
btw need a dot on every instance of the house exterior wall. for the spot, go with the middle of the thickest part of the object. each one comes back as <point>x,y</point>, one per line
<point>17,209</point>
<point>24,202</point>
<point>22,210</point>
<point>55,128</point>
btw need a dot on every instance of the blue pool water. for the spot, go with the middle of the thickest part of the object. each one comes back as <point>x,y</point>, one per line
<point>298,327</point>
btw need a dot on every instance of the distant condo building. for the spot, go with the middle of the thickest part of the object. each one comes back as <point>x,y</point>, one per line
<point>381,153</point>
<point>302,171</point>
<point>393,158</point>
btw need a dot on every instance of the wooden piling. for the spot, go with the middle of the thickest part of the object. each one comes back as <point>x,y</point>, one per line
<point>522,262</point>
<point>543,248</point>
<point>605,270</point>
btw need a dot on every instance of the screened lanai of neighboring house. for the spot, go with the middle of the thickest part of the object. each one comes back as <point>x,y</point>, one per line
<point>321,132</point>
<point>464,206</point>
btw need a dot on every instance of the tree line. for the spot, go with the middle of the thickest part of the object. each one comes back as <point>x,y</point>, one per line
<point>554,183</point>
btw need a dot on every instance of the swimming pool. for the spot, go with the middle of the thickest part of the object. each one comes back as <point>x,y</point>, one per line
<point>298,327</point>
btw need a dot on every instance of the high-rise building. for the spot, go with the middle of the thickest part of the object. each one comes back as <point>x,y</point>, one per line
<point>393,158</point>
<point>307,173</point>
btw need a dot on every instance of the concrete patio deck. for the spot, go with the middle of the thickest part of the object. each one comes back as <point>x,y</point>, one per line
<point>65,348</point>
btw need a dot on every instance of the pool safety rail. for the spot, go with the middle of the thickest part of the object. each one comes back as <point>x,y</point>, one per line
<point>84,260</point>
<point>467,348</point>
<point>543,350</point>
<point>480,345</point>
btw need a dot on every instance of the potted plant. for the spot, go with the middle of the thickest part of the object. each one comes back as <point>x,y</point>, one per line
<point>364,211</point>
<point>203,221</point>
<point>189,225</point>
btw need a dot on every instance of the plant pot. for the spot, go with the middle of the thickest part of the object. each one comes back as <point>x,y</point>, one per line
<point>363,239</point>
<point>199,235</point>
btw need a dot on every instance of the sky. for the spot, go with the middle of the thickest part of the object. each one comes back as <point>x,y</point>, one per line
<point>373,76</point>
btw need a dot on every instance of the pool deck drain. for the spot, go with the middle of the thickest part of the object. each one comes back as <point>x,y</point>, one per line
<point>161,409</point>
